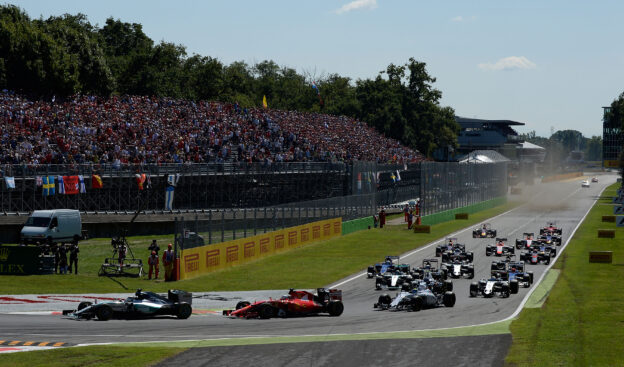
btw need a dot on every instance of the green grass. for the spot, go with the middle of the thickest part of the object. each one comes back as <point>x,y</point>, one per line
<point>581,323</point>
<point>109,356</point>
<point>328,261</point>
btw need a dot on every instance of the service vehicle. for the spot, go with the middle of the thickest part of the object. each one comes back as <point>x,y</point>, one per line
<point>52,226</point>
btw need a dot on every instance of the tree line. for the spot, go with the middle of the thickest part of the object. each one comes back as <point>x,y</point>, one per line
<point>64,55</point>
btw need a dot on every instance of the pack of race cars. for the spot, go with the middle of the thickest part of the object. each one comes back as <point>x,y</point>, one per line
<point>428,285</point>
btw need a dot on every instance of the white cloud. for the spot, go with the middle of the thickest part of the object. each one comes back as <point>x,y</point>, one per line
<point>458,18</point>
<point>357,4</point>
<point>509,63</point>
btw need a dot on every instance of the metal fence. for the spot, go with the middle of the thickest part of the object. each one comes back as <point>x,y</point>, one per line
<point>446,186</point>
<point>230,224</point>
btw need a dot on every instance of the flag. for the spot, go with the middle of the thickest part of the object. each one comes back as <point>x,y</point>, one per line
<point>140,179</point>
<point>61,185</point>
<point>39,181</point>
<point>169,192</point>
<point>318,93</point>
<point>264,102</point>
<point>393,177</point>
<point>71,185</point>
<point>96,182</point>
<point>398,176</point>
<point>83,189</point>
<point>10,182</point>
<point>48,185</point>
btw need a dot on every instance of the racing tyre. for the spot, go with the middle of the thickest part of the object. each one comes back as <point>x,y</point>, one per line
<point>335,308</point>
<point>266,311</point>
<point>438,253</point>
<point>448,285</point>
<point>474,289</point>
<point>553,253</point>
<point>530,277</point>
<point>416,304</point>
<point>513,286</point>
<point>547,261</point>
<point>471,274</point>
<point>242,304</point>
<point>384,299</point>
<point>83,305</point>
<point>184,311</point>
<point>104,312</point>
<point>448,299</point>
<point>487,253</point>
<point>377,286</point>
<point>470,256</point>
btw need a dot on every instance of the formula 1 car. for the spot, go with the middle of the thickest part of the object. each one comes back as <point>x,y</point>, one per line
<point>515,271</point>
<point>389,265</point>
<point>500,248</point>
<point>493,286</point>
<point>450,245</point>
<point>295,303</point>
<point>499,268</point>
<point>550,228</point>
<point>395,279</point>
<point>538,254</point>
<point>485,231</point>
<point>430,268</point>
<point>594,179</point>
<point>526,241</point>
<point>420,297</point>
<point>549,239</point>
<point>142,305</point>
<point>457,268</point>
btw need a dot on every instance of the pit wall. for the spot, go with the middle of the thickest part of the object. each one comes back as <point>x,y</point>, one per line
<point>206,259</point>
<point>560,177</point>
<point>449,215</point>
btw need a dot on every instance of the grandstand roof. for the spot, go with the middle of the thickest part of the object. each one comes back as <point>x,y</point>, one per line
<point>483,156</point>
<point>469,121</point>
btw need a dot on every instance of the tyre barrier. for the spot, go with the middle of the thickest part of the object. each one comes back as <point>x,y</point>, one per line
<point>463,216</point>
<point>421,229</point>
<point>608,218</point>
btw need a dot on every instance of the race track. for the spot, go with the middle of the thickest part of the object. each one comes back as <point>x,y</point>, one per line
<point>563,202</point>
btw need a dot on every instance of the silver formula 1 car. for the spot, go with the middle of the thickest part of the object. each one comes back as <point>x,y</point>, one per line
<point>142,305</point>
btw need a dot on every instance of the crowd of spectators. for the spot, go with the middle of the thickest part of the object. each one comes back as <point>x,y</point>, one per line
<point>149,130</point>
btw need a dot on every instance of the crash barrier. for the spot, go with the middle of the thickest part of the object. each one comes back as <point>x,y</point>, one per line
<point>606,233</point>
<point>605,257</point>
<point>355,225</point>
<point>24,260</point>
<point>422,229</point>
<point>563,176</point>
<point>449,215</point>
<point>206,259</point>
<point>608,218</point>
<point>461,216</point>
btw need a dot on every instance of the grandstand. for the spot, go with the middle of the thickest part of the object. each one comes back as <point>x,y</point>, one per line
<point>124,130</point>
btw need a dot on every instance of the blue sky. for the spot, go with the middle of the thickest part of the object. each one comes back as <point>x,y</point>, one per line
<point>549,64</point>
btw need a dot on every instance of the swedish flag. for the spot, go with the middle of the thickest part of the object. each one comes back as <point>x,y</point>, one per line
<point>48,186</point>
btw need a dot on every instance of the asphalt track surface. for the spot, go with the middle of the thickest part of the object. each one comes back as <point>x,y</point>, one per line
<point>566,203</point>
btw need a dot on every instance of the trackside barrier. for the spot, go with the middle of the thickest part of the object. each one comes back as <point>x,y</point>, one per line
<point>355,225</point>
<point>606,233</point>
<point>608,218</point>
<point>449,215</point>
<point>422,229</point>
<point>564,176</point>
<point>206,259</point>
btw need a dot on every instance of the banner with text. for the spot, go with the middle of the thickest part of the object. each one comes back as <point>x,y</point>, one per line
<point>202,260</point>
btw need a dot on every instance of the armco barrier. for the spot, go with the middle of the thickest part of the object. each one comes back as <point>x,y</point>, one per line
<point>449,215</point>
<point>355,225</point>
<point>206,259</point>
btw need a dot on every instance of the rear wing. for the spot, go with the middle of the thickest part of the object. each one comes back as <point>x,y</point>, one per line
<point>393,259</point>
<point>334,294</point>
<point>528,234</point>
<point>501,239</point>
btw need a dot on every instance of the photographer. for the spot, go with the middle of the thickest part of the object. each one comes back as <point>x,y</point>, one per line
<point>73,257</point>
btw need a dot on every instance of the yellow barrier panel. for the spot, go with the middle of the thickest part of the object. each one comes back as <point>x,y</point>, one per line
<point>205,259</point>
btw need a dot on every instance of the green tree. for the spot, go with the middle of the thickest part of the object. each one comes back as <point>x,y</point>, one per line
<point>593,149</point>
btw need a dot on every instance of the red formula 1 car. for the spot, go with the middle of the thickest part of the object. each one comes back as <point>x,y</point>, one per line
<point>295,303</point>
<point>551,228</point>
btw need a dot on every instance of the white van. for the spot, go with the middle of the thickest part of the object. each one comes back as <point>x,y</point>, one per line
<point>59,225</point>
